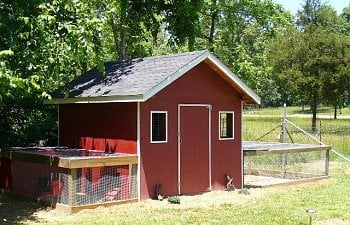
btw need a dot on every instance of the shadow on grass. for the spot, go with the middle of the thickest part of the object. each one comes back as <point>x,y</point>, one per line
<point>319,110</point>
<point>18,209</point>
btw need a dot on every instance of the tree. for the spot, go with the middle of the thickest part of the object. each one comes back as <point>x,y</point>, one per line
<point>238,33</point>
<point>312,62</point>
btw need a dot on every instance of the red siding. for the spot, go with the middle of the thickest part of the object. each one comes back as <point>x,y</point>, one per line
<point>201,85</point>
<point>5,174</point>
<point>109,127</point>
<point>32,179</point>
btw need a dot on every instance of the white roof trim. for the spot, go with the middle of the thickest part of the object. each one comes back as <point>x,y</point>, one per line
<point>234,78</point>
<point>170,79</point>
<point>194,63</point>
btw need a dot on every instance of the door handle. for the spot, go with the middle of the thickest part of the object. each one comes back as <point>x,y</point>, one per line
<point>180,139</point>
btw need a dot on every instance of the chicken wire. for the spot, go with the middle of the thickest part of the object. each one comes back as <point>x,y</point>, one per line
<point>293,165</point>
<point>97,185</point>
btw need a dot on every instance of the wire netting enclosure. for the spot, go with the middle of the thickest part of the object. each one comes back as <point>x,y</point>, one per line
<point>267,164</point>
<point>86,186</point>
<point>73,179</point>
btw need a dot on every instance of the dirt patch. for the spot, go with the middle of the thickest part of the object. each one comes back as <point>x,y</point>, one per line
<point>207,200</point>
<point>334,221</point>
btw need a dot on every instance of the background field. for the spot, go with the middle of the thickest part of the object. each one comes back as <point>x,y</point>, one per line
<point>330,131</point>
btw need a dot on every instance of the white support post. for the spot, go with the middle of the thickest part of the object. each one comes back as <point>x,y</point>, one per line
<point>283,135</point>
<point>283,138</point>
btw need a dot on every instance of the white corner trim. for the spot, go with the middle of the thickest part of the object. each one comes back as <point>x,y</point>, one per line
<point>138,149</point>
<point>242,155</point>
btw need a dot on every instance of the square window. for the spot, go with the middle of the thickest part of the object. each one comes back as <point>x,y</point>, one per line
<point>159,127</point>
<point>226,121</point>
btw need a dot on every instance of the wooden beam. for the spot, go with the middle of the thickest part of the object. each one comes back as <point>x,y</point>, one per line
<point>72,188</point>
<point>75,209</point>
<point>69,162</point>
<point>83,162</point>
<point>327,163</point>
<point>286,150</point>
<point>291,182</point>
<point>133,181</point>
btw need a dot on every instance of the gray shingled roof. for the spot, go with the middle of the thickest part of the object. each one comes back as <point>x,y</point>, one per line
<point>139,79</point>
<point>127,78</point>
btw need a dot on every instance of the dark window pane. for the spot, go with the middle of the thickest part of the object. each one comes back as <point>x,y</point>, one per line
<point>159,127</point>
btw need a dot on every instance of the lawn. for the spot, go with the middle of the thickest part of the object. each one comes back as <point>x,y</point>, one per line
<point>274,205</point>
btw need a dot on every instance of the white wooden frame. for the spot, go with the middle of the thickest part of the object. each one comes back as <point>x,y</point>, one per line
<point>233,125</point>
<point>166,127</point>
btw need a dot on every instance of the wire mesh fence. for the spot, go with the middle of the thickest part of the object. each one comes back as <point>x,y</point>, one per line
<point>96,185</point>
<point>74,187</point>
<point>287,166</point>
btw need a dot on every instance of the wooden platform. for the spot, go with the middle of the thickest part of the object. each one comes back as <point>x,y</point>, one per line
<point>67,157</point>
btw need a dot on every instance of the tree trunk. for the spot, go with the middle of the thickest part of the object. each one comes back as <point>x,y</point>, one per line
<point>115,33</point>
<point>122,44</point>
<point>314,113</point>
<point>212,27</point>
<point>335,111</point>
<point>191,41</point>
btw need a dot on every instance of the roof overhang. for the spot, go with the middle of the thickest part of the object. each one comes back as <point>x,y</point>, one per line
<point>248,95</point>
<point>101,99</point>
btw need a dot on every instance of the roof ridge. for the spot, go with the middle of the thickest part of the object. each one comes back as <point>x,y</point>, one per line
<point>172,55</point>
<point>141,78</point>
<point>157,57</point>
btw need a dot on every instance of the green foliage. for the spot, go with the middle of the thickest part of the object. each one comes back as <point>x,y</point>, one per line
<point>45,44</point>
<point>244,191</point>
<point>240,38</point>
<point>182,21</point>
<point>174,199</point>
<point>312,62</point>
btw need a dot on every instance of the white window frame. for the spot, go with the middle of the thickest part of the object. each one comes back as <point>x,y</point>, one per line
<point>166,127</point>
<point>233,125</point>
